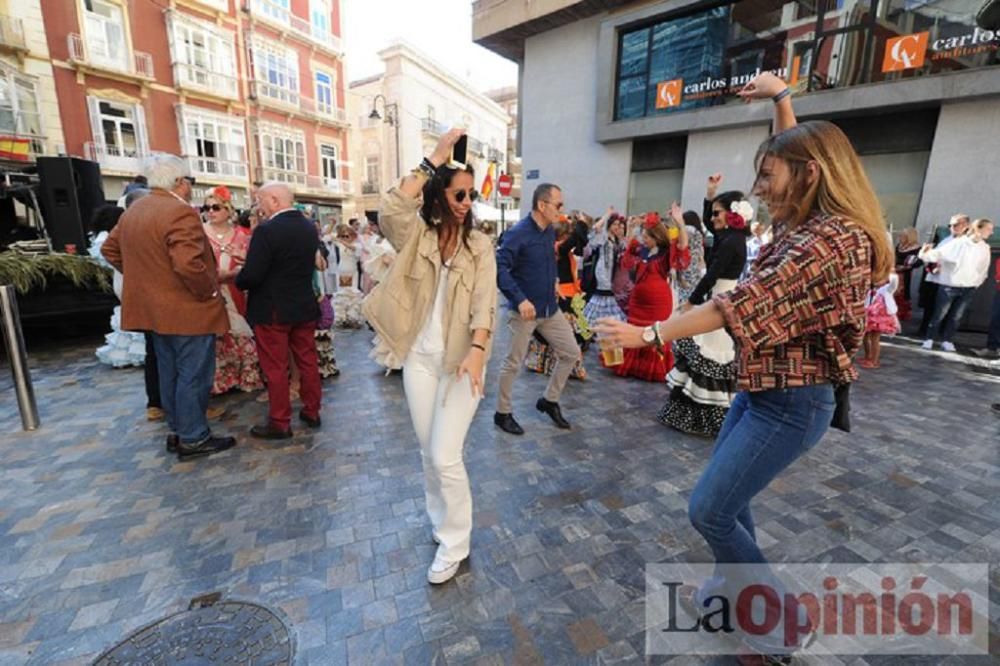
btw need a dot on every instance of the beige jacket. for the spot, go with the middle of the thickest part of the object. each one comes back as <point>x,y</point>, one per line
<point>399,306</point>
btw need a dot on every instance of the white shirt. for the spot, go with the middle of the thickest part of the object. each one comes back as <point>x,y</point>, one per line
<point>430,340</point>
<point>965,261</point>
<point>942,270</point>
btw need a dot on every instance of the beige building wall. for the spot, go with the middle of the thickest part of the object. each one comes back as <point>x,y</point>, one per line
<point>37,63</point>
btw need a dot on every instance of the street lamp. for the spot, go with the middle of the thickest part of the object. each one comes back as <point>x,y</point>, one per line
<point>391,118</point>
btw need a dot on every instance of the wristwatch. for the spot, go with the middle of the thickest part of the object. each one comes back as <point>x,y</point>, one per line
<point>649,335</point>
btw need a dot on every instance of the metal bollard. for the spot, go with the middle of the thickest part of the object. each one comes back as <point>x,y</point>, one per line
<point>18,358</point>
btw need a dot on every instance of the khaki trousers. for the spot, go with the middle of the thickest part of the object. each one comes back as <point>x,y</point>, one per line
<point>559,334</point>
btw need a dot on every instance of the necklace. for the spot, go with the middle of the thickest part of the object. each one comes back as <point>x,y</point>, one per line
<point>220,236</point>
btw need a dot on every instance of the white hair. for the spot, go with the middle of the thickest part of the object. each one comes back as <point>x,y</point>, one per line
<point>162,170</point>
<point>281,190</point>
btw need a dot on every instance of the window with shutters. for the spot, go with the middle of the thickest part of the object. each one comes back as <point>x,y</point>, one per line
<point>324,93</point>
<point>328,164</point>
<point>276,70</point>
<point>282,153</point>
<point>213,143</point>
<point>119,133</point>
<point>21,131</point>
<point>204,56</point>
<point>105,33</point>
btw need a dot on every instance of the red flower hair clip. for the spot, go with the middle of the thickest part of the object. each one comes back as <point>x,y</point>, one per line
<point>652,220</point>
<point>222,193</point>
<point>735,221</point>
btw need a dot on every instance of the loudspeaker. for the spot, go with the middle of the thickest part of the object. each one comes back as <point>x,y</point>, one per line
<point>69,193</point>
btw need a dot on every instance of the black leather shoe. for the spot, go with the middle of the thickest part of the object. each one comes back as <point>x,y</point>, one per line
<point>552,409</point>
<point>270,432</point>
<point>173,441</point>
<point>309,421</point>
<point>206,448</point>
<point>507,423</point>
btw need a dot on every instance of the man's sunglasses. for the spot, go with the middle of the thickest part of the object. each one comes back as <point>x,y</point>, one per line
<point>189,179</point>
<point>559,206</point>
<point>215,208</point>
<point>460,195</point>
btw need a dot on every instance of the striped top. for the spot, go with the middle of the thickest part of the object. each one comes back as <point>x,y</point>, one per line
<point>799,318</point>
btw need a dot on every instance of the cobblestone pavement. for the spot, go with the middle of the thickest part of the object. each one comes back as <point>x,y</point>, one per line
<point>101,532</point>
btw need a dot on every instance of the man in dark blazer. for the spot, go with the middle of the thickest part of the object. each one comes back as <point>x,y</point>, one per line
<point>171,290</point>
<point>282,307</point>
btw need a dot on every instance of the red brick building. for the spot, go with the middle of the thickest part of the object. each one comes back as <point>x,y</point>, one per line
<point>245,90</point>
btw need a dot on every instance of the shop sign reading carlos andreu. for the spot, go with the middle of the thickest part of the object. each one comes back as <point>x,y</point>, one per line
<point>705,59</point>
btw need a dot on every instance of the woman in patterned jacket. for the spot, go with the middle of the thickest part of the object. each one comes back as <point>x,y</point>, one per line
<point>797,323</point>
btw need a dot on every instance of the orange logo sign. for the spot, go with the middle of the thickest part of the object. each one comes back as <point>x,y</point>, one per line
<point>668,93</point>
<point>905,52</point>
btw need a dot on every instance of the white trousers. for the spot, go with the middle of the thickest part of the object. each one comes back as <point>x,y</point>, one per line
<point>442,410</point>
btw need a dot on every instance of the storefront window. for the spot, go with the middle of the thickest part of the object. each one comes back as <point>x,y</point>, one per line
<point>703,59</point>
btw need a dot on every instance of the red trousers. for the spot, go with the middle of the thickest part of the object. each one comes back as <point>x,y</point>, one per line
<point>274,341</point>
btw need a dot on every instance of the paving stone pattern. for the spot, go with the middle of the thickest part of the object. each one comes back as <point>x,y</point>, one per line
<point>102,532</point>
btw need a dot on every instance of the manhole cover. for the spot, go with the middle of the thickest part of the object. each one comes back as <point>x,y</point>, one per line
<point>230,632</point>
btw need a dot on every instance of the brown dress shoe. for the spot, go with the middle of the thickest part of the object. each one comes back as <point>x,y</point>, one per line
<point>154,414</point>
<point>268,431</point>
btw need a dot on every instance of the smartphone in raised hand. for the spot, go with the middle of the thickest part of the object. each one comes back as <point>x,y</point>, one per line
<point>459,152</point>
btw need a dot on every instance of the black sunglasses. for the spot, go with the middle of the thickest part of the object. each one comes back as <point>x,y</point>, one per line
<point>460,195</point>
<point>215,208</point>
<point>189,179</point>
<point>559,206</point>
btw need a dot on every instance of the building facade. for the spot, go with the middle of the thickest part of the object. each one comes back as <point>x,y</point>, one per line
<point>652,88</point>
<point>245,90</point>
<point>417,100</point>
<point>507,99</point>
<point>30,124</point>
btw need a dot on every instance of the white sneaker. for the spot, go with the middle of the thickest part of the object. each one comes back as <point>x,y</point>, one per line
<point>927,344</point>
<point>947,346</point>
<point>441,571</point>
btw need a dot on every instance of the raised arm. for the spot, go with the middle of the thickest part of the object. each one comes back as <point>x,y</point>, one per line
<point>401,204</point>
<point>769,86</point>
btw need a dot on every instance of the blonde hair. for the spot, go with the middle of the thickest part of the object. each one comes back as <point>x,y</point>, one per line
<point>978,226</point>
<point>842,188</point>
<point>908,236</point>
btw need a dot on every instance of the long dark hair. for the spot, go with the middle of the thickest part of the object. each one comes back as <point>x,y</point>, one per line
<point>435,205</point>
<point>692,219</point>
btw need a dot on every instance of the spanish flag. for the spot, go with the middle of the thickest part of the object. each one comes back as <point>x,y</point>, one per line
<point>486,191</point>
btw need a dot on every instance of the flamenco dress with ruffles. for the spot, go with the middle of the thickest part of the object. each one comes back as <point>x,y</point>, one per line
<point>651,301</point>
<point>237,365</point>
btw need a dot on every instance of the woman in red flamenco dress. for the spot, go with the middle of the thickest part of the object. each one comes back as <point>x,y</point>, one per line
<point>650,261</point>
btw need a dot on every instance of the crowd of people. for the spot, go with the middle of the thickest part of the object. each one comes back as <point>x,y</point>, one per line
<point>752,327</point>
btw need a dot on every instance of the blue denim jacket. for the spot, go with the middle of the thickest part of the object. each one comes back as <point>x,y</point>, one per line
<point>526,266</point>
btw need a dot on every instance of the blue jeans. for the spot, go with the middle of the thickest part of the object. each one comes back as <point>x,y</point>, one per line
<point>993,338</point>
<point>949,308</point>
<point>187,370</point>
<point>764,432</point>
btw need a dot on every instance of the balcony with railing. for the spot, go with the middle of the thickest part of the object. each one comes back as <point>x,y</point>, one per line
<point>12,35</point>
<point>281,17</point>
<point>332,186</point>
<point>369,187</point>
<point>98,56</point>
<point>323,112</point>
<point>201,79</point>
<point>432,126</point>
<point>213,167</point>
<point>274,95</point>
<point>494,155</point>
<point>296,179</point>
<point>114,158</point>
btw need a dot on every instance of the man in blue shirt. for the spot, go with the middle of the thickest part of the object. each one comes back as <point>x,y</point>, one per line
<point>527,276</point>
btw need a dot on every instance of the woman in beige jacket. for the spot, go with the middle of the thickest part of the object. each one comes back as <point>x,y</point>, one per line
<point>434,315</point>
